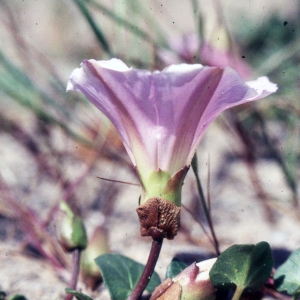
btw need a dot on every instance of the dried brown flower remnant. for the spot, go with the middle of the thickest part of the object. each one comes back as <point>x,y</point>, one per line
<point>159,217</point>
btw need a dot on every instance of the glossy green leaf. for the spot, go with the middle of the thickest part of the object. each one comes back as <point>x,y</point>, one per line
<point>175,267</point>
<point>78,295</point>
<point>121,274</point>
<point>287,276</point>
<point>246,267</point>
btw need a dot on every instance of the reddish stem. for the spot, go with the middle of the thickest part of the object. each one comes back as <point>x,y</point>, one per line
<point>149,269</point>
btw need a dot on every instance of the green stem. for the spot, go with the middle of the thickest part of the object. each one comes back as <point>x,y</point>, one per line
<point>238,293</point>
<point>202,198</point>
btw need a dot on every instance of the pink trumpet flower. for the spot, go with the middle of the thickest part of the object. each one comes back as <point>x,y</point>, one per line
<point>161,116</point>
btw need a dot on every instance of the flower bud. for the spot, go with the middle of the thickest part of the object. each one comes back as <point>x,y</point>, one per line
<point>71,231</point>
<point>193,283</point>
<point>97,246</point>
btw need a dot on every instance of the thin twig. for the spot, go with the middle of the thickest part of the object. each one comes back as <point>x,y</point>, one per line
<point>149,269</point>
<point>32,225</point>
<point>119,181</point>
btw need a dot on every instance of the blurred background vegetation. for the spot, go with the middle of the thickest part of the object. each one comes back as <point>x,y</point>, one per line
<point>54,144</point>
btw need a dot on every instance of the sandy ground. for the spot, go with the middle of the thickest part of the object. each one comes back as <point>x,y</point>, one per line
<point>238,215</point>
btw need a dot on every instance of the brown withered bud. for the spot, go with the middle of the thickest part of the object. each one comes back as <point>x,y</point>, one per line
<point>159,218</point>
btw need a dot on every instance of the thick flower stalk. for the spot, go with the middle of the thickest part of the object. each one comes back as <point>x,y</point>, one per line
<point>161,117</point>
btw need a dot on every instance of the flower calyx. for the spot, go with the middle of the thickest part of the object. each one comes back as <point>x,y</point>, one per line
<point>161,184</point>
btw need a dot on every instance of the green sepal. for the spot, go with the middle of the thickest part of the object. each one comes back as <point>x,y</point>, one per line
<point>79,236</point>
<point>161,184</point>
<point>154,185</point>
<point>72,233</point>
<point>172,190</point>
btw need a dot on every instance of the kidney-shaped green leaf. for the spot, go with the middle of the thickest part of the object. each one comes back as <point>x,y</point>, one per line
<point>121,275</point>
<point>287,276</point>
<point>246,267</point>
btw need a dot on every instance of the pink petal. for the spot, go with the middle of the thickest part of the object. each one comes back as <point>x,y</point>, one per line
<point>161,116</point>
